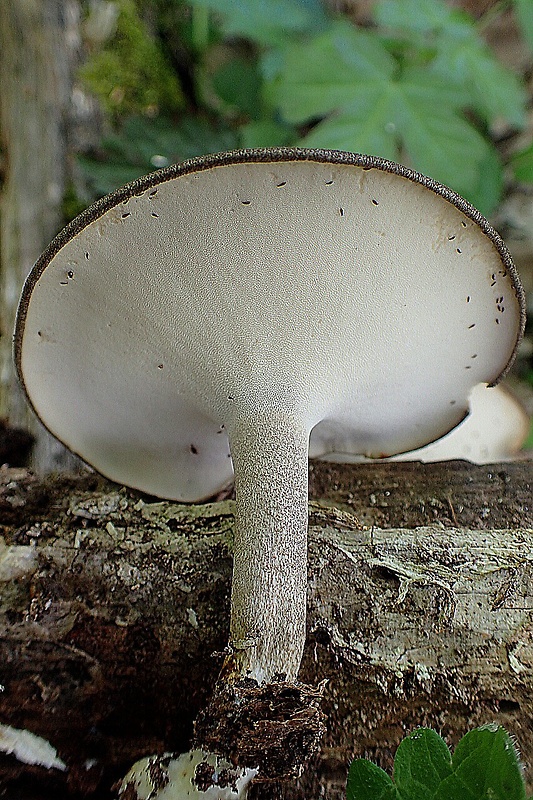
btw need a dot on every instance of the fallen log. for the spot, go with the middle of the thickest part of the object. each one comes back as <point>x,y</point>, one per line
<point>114,614</point>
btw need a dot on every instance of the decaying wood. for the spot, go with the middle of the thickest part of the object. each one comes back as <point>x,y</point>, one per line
<point>114,612</point>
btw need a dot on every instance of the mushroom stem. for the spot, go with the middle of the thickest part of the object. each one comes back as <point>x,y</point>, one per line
<point>269,588</point>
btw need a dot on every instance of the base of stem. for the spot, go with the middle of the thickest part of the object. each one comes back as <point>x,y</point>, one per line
<point>274,727</point>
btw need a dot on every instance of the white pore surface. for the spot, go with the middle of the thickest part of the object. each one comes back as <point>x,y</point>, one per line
<point>342,294</point>
<point>166,778</point>
<point>494,430</point>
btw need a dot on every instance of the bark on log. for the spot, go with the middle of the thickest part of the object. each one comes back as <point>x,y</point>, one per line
<point>113,609</point>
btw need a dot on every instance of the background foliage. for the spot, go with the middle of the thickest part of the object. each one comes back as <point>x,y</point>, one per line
<point>418,84</point>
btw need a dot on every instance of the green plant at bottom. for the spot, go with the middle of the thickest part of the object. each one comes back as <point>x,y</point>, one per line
<point>484,766</point>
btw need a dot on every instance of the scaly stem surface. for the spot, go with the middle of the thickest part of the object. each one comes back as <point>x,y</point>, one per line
<point>269,588</point>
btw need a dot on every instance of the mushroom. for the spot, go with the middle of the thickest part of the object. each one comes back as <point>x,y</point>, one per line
<point>494,430</point>
<point>226,306</point>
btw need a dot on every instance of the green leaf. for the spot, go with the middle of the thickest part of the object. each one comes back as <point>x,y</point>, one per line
<point>439,141</point>
<point>410,119</point>
<point>417,15</point>
<point>487,192</point>
<point>522,165</point>
<point>146,141</point>
<point>368,126</point>
<point>105,176</point>
<point>267,21</point>
<point>366,781</point>
<point>238,85</point>
<point>524,13</point>
<point>431,89</point>
<point>145,144</point>
<point>266,133</point>
<point>422,762</point>
<point>328,71</point>
<point>486,762</point>
<point>442,145</point>
<point>453,788</point>
<point>371,105</point>
<point>496,92</point>
<point>484,766</point>
<point>457,53</point>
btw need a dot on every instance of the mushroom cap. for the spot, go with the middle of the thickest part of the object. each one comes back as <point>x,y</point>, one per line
<point>339,287</point>
<point>494,430</point>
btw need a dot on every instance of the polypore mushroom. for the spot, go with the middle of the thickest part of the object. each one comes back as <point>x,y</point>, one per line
<point>231,303</point>
<point>494,430</point>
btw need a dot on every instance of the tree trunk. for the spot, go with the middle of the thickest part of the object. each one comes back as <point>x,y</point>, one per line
<point>115,611</point>
<point>39,48</point>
